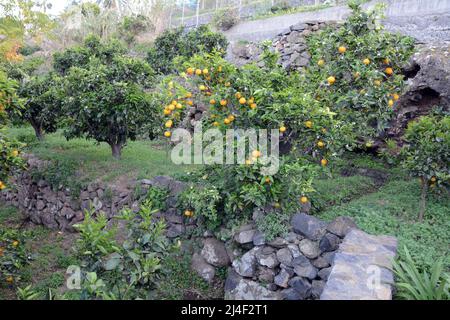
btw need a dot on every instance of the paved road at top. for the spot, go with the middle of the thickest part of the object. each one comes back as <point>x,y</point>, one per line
<point>426,20</point>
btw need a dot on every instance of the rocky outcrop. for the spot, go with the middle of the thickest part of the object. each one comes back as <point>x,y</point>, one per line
<point>361,269</point>
<point>428,76</point>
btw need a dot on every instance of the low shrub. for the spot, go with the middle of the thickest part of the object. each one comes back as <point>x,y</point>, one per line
<point>274,224</point>
<point>225,19</point>
<point>10,161</point>
<point>181,43</point>
<point>201,202</point>
<point>157,197</point>
<point>13,255</point>
<point>133,25</point>
<point>280,6</point>
<point>427,152</point>
<point>59,174</point>
<point>126,270</point>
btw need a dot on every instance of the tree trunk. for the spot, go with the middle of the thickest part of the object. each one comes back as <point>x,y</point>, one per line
<point>116,149</point>
<point>423,198</point>
<point>38,131</point>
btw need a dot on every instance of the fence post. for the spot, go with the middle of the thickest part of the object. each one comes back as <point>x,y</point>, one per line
<point>197,12</point>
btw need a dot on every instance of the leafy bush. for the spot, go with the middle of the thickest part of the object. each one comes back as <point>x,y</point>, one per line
<point>28,50</point>
<point>157,197</point>
<point>132,26</point>
<point>356,72</point>
<point>274,224</point>
<point>60,174</point>
<point>427,152</point>
<point>201,202</point>
<point>81,56</point>
<point>280,6</point>
<point>415,285</point>
<point>13,255</point>
<point>20,71</point>
<point>224,19</point>
<point>9,149</point>
<point>179,42</point>
<point>105,95</point>
<point>127,270</point>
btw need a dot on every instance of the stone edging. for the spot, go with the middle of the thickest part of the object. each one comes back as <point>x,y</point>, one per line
<point>310,262</point>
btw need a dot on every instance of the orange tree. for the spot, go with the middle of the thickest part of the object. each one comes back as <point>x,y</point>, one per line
<point>427,153</point>
<point>356,71</point>
<point>252,97</point>
<point>104,96</point>
<point>9,150</point>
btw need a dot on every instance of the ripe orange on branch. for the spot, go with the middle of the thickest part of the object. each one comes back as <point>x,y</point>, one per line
<point>331,80</point>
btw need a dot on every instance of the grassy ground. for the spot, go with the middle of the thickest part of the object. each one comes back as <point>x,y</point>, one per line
<point>292,10</point>
<point>49,255</point>
<point>140,159</point>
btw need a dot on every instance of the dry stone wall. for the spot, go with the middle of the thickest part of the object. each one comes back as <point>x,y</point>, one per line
<point>60,209</point>
<point>315,260</point>
<point>290,44</point>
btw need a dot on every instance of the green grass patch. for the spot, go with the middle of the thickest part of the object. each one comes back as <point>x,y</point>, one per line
<point>180,282</point>
<point>140,159</point>
<point>331,192</point>
<point>269,14</point>
<point>9,215</point>
<point>393,210</point>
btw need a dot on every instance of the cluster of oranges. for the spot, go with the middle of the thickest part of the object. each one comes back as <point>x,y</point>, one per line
<point>224,103</point>
<point>256,154</point>
<point>366,61</point>
<point>320,143</point>
<point>394,97</point>
<point>172,111</point>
